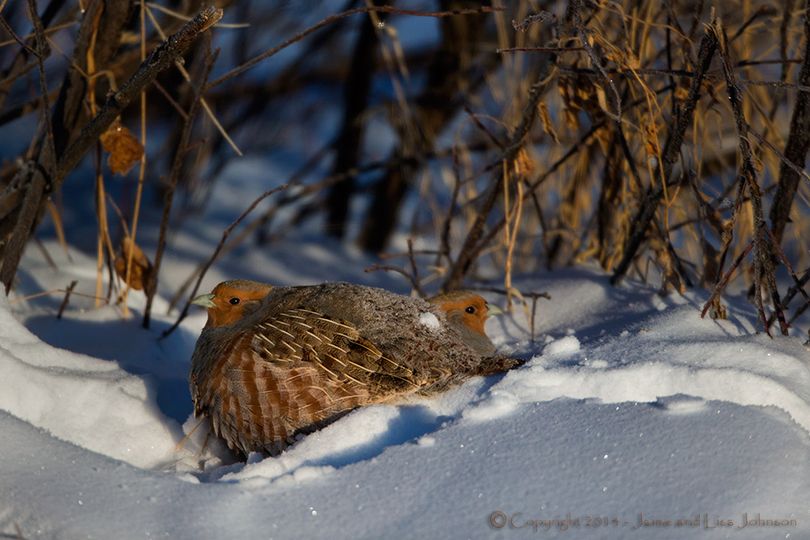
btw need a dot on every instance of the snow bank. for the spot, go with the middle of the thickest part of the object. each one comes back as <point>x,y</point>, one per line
<point>675,353</point>
<point>631,408</point>
<point>90,402</point>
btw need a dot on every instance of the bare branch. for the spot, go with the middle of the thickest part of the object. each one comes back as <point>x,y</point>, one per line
<point>150,287</point>
<point>672,148</point>
<point>797,145</point>
<point>225,234</point>
<point>36,184</point>
<point>338,16</point>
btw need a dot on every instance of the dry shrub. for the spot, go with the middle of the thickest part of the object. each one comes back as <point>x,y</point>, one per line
<point>660,140</point>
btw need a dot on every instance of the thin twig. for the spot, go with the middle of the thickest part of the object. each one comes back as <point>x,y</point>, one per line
<point>672,148</point>
<point>798,287</point>
<point>150,288</point>
<point>184,72</point>
<point>214,255</point>
<point>574,17</point>
<point>760,12</point>
<point>136,211</point>
<point>161,58</point>
<point>182,17</point>
<point>15,38</point>
<point>338,16</point>
<point>723,281</point>
<point>468,251</point>
<point>49,292</point>
<point>540,49</point>
<point>798,144</point>
<point>390,268</point>
<point>66,299</point>
<point>764,272</point>
<point>48,31</point>
<point>41,173</point>
<point>783,159</point>
<point>504,292</point>
<point>414,269</point>
<point>29,210</point>
<point>532,187</point>
<point>444,251</point>
<point>42,52</point>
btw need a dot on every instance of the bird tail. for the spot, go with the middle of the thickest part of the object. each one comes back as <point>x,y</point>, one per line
<point>497,364</point>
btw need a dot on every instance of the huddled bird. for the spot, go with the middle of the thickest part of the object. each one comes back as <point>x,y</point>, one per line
<point>275,362</point>
<point>467,313</point>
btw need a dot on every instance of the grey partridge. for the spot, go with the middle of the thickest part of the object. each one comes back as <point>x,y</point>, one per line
<point>275,362</point>
<point>467,312</point>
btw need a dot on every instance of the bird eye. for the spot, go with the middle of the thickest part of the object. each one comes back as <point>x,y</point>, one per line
<point>233,301</point>
<point>470,309</point>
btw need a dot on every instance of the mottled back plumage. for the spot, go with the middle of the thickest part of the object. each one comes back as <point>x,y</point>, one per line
<point>297,358</point>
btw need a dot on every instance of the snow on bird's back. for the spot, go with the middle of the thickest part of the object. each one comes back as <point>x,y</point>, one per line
<point>430,321</point>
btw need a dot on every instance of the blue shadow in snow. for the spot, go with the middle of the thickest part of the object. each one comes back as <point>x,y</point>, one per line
<point>413,422</point>
<point>162,365</point>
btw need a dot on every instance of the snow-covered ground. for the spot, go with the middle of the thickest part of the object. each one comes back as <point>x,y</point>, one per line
<point>634,418</point>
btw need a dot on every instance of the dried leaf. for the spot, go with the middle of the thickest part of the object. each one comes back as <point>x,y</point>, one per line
<point>650,135</point>
<point>141,266</point>
<point>717,310</point>
<point>124,148</point>
<point>548,127</point>
<point>579,93</point>
<point>630,59</point>
<point>523,165</point>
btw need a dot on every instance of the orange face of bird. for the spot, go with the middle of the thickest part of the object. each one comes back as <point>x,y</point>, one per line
<point>228,301</point>
<point>471,309</point>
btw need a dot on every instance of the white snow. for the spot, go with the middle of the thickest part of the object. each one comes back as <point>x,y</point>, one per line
<point>632,419</point>
<point>631,408</point>
<point>430,321</point>
<point>90,402</point>
<point>643,414</point>
<point>562,347</point>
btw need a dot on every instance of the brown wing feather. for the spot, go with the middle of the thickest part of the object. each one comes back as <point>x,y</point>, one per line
<point>333,346</point>
<point>297,371</point>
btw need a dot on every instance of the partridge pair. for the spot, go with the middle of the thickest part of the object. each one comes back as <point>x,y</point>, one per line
<point>273,362</point>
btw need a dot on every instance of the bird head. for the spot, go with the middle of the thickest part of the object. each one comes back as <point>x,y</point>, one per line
<point>468,312</point>
<point>230,300</point>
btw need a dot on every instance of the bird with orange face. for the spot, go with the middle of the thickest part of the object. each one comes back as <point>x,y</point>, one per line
<point>276,362</point>
<point>467,313</point>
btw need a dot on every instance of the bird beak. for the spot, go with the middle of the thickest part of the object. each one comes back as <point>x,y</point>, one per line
<point>205,300</point>
<point>493,310</point>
